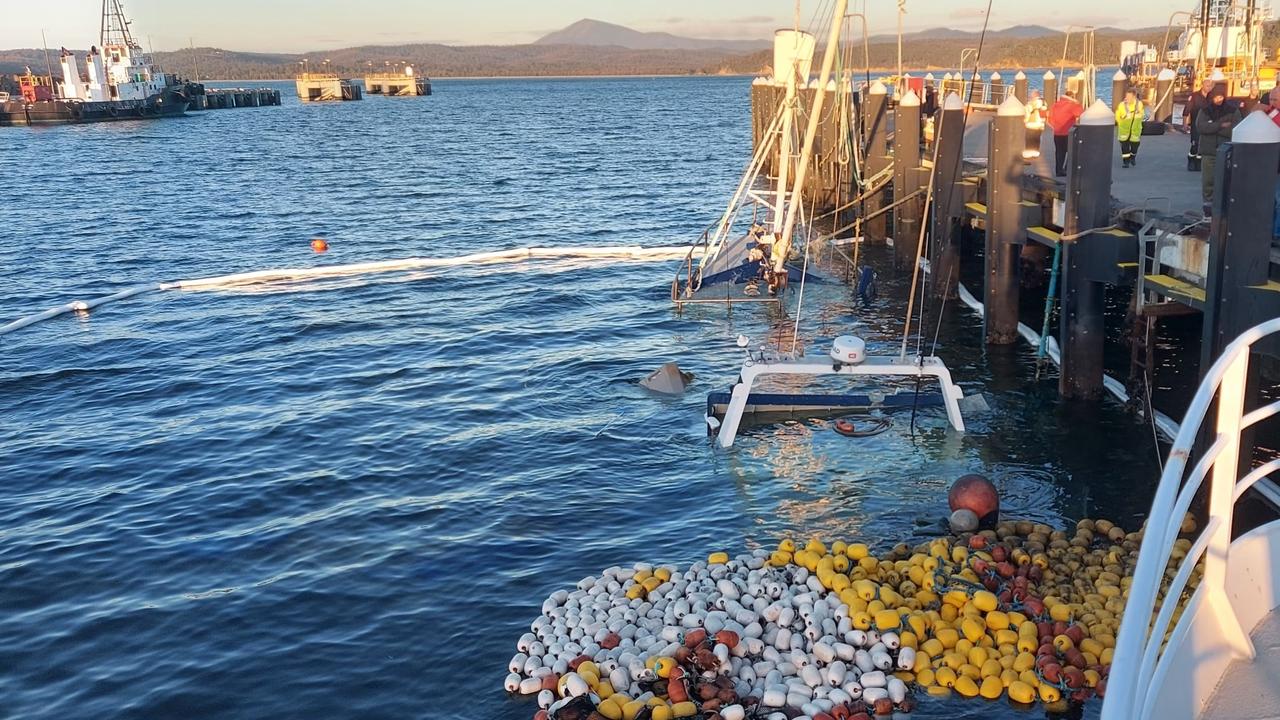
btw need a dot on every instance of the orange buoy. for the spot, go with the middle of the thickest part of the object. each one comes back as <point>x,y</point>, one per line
<point>319,245</point>
<point>977,494</point>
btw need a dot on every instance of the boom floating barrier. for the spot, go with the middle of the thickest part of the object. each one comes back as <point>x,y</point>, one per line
<point>834,632</point>
<point>621,253</point>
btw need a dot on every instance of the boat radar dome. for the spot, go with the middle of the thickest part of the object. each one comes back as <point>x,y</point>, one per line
<point>1257,129</point>
<point>848,350</point>
<point>878,88</point>
<point>1011,106</point>
<point>910,99</point>
<point>953,102</point>
<point>1098,114</point>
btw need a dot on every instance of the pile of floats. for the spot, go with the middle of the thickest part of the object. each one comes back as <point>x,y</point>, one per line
<point>833,632</point>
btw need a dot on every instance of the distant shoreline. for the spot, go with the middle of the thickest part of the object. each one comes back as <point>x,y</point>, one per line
<point>877,70</point>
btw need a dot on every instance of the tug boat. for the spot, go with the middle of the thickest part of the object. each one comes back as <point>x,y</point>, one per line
<point>122,84</point>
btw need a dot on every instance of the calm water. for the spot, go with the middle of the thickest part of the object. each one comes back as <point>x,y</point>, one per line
<point>347,499</point>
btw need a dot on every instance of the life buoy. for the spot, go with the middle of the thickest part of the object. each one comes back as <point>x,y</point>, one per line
<point>871,426</point>
<point>113,111</point>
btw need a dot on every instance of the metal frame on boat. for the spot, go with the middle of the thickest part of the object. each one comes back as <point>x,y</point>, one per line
<point>726,430</point>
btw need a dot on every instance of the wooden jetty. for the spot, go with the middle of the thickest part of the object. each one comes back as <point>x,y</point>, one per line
<point>326,87</point>
<point>1102,225</point>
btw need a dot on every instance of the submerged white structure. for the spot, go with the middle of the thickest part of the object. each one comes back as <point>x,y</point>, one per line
<point>848,359</point>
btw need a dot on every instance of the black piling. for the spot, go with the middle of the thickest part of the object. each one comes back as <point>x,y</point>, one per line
<point>1020,87</point>
<point>948,199</point>
<point>875,119</point>
<point>1119,84</point>
<point>906,179</point>
<point>1006,232</point>
<point>1050,88</point>
<point>1240,239</point>
<point>1085,258</point>
<point>1163,105</point>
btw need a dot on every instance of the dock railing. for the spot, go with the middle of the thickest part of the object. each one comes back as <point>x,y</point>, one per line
<point>1140,663</point>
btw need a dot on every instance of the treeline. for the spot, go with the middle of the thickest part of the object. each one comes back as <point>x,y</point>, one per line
<point>544,60</point>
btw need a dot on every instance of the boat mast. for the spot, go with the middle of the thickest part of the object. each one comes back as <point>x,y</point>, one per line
<point>788,122</point>
<point>115,26</point>
<point>810,135</point>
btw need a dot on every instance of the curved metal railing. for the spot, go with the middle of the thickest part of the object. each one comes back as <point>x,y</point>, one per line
<point>1139,662</point>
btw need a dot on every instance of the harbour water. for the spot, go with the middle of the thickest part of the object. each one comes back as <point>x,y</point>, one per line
<point>349,498</point>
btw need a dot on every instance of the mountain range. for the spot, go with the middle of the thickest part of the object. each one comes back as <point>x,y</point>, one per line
<point>592,47</point>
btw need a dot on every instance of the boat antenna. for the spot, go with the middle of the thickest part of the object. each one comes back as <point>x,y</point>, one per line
<point>47,62</point>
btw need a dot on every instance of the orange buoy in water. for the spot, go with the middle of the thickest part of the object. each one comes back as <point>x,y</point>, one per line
<point>319,245</point>
<point>976,494</point>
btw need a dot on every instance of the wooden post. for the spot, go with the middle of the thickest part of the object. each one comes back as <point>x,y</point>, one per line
<point>948,200</point>
<point>1005,234</point>
<point>1088,201</point>
<point>906,158</point>
<point>1050,88</point>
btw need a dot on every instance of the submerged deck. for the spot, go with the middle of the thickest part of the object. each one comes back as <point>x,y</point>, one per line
<point>1250,690</point>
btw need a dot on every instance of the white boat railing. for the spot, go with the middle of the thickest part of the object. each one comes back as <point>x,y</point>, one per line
<point>1140,664</point>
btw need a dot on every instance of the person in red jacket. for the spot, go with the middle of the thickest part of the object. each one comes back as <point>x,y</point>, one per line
<point>1062,117</point>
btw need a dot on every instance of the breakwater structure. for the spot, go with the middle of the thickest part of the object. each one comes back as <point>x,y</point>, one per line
<point>326,87</point>
<point>398,84</point>
<point>946,183</point>
<point>203,98</point>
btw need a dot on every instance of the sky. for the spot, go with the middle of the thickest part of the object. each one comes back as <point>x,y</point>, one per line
<point>305,25</point>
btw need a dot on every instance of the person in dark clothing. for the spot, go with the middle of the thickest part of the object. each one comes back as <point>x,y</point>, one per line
<point>1198,101</point>
<point>1214,123</point>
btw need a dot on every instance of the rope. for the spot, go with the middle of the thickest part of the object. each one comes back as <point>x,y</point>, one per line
<point>795,330</point>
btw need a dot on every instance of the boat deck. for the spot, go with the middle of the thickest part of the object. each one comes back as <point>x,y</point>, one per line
<point>1250,690</point>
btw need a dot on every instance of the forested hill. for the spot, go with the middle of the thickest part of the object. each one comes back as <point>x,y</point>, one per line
<point>1002,50</point>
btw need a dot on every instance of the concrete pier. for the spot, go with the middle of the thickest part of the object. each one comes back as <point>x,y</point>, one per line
<point>398,84</point>
<point>324,87</point>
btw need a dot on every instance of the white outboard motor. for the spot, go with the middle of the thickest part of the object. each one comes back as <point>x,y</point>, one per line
<point>848,350</point>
